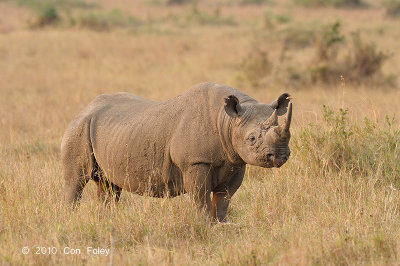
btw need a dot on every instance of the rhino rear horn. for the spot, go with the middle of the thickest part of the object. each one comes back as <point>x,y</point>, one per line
<point>272,120</point>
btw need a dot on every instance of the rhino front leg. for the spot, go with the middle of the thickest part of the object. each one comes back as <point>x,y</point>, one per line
<point>197,182</point>
<point>221,200</point>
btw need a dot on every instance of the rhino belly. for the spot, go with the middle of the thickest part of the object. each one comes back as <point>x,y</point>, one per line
<point>145,179</point>
<point>138,164</point>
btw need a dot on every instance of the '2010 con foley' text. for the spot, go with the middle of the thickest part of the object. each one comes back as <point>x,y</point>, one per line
<point>67,251</point>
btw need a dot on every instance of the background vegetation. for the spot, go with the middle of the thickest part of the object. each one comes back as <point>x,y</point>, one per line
<point>336,201</point>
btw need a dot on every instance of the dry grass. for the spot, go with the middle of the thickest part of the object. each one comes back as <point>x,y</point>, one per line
<point>317,209</point>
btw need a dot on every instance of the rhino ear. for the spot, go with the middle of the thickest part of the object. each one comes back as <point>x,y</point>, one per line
<point>233,107</point>
<point>281,104</point>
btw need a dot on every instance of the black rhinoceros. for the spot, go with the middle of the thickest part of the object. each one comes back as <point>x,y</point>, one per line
<point>197,143</point>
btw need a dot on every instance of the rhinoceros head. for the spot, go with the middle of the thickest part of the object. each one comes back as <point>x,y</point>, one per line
<point>256,135</point>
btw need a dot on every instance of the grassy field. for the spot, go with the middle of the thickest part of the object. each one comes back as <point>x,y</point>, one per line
<point>337,199</point>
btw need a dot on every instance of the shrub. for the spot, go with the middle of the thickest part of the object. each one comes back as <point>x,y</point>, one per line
<point>79,4</point>
<point>357,61</point>
<point>324,68</point>
<point>256,66</point>
<point>51,12</point>
<point>179,2</point>
<point>362,150</point>
<point>298,37</point>
<point>323,72</point>
<point>364,61</point>
<point>107,20</point>
<point>255,2</point>
<point>326,42</point>
<point>392,7</point>
<point>195,16</point>
<point>270,19</point>
<point>337,3</point>
<point>47,14</point>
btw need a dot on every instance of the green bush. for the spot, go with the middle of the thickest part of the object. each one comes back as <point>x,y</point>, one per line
<point>179,2</point>
<point>364,60</point>
<point>333,59</point>
<point>196,16</point>
<point>59,4</point>
<point>361,63</point>
<point>298,37</point>
<point>325,67</point>
<point>326,42</point>
<point>107,20</point>
<point>392,7</point>
<point>271,19</point>
<point>256,66</point>
<point>47,15</point>
<point>336,3</point>
<point>52,12</point>
<point>255,2</point>
<point>337,145</point>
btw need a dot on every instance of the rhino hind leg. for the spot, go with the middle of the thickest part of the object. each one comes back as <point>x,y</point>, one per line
<point>76,173</point>
<point>75,182</point>
<point>106,190</point>
<point>77,159</point>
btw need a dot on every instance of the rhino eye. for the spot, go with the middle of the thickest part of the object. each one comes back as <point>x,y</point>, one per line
<point>251,139</point>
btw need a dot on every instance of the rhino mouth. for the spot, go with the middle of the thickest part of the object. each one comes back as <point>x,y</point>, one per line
<point>267,163</point>
<point>278,165</point>
<point>270,161</point>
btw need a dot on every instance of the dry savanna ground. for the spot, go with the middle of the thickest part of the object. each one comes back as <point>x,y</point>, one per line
<point>337,199</point>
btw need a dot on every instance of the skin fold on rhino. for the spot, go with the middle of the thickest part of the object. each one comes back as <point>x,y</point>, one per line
<point>197,143</point>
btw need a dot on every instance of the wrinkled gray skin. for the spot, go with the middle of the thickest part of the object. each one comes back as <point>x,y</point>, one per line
<point>196,143</point>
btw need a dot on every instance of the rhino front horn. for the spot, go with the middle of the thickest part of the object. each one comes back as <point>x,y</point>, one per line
<point>286,126</point>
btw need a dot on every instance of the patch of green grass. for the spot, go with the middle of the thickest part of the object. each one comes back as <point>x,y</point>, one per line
<point>101,21</point>
<point>336,3</point>
<point>272,19</point>
<point>179,2</point>
<point>368,149</point>
<point>197,16</point>
<point>255,2</point>
<point>59,4</point>
<point>53,12</point>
